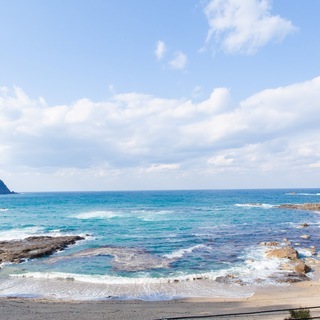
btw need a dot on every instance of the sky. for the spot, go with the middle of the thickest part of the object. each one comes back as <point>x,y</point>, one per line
<point>162,94</point>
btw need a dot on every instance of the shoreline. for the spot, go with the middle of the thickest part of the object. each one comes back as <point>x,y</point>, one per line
<point>302,294</point>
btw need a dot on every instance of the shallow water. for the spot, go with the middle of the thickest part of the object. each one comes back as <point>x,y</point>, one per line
<point>153,244</point>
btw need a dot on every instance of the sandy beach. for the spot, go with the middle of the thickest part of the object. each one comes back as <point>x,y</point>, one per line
<point>303,294</point>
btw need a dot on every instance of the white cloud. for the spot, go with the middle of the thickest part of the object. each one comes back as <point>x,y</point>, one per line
<point>243,26</point>
<point>132,135</point>
<point>160,167</point>
<point>160,50</point>
<point>179,61</point>
<point>221,160</point>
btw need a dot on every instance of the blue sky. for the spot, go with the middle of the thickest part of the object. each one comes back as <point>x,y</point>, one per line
<point>162,94</point>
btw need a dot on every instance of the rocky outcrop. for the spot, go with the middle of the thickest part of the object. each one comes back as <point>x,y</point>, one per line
<point>270,244</point>
<point>303,206</point>
<point>295,268</point>
<point>301,267</point>
<point>4,189</point>
<point>16,251</point>
<point>283,253</point>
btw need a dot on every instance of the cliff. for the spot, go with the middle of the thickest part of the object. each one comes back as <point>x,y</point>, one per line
<point>4,189</point>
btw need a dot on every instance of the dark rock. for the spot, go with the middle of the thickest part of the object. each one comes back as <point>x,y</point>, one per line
<point>301,267</point>
<point>16,251</point>
<point>4,189</point>
<point>297,266</point>
<point>293,277</point>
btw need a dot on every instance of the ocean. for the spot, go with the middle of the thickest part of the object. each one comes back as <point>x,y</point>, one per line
<point>154,245</point>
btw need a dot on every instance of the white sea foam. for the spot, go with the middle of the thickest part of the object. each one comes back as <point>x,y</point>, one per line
<point>256,270</point>
<point>83,287</point>
<point>117,280</point>
<point>303,194</point>
<point>155,212</point>
<point>182,252</point>
<point>97,215</point>
<point>153,215</point>
<point>22,233</point>
<point>4,209</point>
<point>255,205</point>
<point>19,233</point>
<point>257,267</point>
<point>304,252</point>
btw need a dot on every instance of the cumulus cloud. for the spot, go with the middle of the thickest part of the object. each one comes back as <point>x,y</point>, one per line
<point>134,134</point>
<point>160,50</point>
<point>243,26</point>
<point>179,61</point>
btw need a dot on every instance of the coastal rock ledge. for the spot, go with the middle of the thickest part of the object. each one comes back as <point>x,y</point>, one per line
<point>303,206</point>
<point>17,251</point>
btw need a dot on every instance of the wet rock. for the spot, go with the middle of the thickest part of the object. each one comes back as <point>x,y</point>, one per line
<point>270,244</point>
<point>283,253</point>
<point>303,206</point>
<point>301,267</point>
<point>305,237</point>
<point>16,251</point>
<point>297,266</point>
<point>198,278</point>
<point>228,279</point>
<point>293,277</point>
<point>304,225</point>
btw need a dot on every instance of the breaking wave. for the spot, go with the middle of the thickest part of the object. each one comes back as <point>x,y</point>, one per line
<point>303,194</point>
<point>254,205</point>
<point>20,233</point>
<point>97,215</point>
<point>182,252</point>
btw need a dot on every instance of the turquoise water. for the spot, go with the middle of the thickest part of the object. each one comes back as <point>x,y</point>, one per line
<point>156,244</point>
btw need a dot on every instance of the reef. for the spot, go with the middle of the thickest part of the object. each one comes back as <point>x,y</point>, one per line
<point>16,251</point>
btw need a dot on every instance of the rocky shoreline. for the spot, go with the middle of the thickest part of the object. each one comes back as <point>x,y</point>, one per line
<point>17,251</point>
<point>295,268</point>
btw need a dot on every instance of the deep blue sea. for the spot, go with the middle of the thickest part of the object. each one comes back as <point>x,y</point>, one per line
<point>153,245</point>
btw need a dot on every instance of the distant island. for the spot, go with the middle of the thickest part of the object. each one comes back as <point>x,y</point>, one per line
<point>4,189</point>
